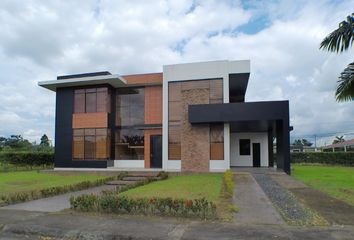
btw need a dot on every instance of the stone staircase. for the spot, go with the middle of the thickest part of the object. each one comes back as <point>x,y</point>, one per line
<point>132,178</point>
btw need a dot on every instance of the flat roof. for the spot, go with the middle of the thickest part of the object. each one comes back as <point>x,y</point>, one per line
<point>114,80</point>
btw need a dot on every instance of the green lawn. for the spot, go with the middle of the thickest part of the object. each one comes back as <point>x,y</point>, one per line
<point>187,187</point>
<point>12,182</point>
<point>333,180</point>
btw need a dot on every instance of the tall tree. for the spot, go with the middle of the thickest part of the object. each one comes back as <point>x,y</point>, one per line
<point>2,142</point>
<point>17,142</point>
<point>339,41</point>
<point>302,142</point>
<point>44,141</point>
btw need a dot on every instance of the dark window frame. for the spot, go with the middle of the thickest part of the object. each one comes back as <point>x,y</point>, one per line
<point>86,133</point>
<point>92,91</point>
<point>245,147</point>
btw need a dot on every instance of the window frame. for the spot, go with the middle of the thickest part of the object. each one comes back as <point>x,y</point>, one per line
<point>242,147</point>
<point>98,95</point>
<point>93,133</point>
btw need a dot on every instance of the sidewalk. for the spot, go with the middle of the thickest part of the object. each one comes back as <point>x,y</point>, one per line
<point>254,205</point>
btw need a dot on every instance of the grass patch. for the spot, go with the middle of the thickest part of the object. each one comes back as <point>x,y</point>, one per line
<point>217,188</point>
<point>336,181</point>
<point>206,186</point>
<point>13,182</point>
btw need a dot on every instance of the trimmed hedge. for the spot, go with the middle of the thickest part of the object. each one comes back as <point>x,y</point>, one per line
<point>27,158</point>
<point>48,192</point>
<point>331,158</point>
<point>114,203</point>
<point>228,183</point>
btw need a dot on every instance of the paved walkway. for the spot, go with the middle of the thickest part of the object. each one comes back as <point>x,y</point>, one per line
<point>254,205</point>
<point>26,225</point>
<point>56,203</point>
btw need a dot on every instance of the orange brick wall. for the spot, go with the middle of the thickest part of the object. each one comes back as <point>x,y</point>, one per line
<point>147,134</point>
<point>148,78</point>
<point>90,120</point>
<point>153,105</point>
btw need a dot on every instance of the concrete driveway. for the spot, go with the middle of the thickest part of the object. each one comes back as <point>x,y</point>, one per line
<point>254,205</point>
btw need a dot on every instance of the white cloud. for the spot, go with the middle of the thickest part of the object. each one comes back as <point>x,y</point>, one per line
<point>40,40</point>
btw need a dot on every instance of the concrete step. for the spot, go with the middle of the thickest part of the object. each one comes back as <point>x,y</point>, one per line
<point>142,174</point>
<point>120,182</point>
<point>129,178</point>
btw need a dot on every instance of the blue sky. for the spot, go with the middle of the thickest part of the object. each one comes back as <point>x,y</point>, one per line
<point>42,39</point>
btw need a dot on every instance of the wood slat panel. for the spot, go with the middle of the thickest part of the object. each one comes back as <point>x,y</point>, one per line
<point>90,120</point>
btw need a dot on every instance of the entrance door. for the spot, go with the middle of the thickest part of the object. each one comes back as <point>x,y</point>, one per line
<point>156,151</point>
<point>256,153</point>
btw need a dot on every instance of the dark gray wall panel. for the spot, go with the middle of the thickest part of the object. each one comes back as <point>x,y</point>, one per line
<point>63,133</point>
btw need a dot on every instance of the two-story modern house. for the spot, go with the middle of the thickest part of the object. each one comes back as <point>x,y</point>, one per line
<point>189,117</point>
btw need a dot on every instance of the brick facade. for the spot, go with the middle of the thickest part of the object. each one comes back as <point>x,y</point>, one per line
<point>195,141</point>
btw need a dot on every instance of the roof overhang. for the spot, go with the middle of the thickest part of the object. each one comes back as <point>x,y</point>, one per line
<point>114,80</point>
<point>248,116</point>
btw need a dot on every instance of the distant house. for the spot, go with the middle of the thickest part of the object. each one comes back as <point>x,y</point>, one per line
<point>300,148</point>
<point>346,146</point>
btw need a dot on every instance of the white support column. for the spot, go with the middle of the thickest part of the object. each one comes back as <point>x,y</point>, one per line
<point>226,99</point>
<point>164,124</point>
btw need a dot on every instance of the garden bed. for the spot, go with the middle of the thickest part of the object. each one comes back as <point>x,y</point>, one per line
<point>201,195</point>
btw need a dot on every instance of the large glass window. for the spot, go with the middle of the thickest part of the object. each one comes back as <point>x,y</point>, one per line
<point>92,100</point>
<point>129,144</point>
<point>129,141</point>
<point>129,106</point>
<point>174,120</point>
<point>91,144</point>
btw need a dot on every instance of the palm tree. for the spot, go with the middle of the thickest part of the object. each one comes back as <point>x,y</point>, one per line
<point>338,139</point>
<point>339,41</point>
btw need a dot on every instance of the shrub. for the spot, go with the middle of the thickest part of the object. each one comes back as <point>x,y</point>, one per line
<point>332,158</point>
<point>27,158</point>
<point>85,203</point>
<point>162,175</point>
<point>114,203</point>
<point>228,183</point>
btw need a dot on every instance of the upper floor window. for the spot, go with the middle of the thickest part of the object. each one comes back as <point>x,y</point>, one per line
<point>92,100</point>
<point>130,106</point>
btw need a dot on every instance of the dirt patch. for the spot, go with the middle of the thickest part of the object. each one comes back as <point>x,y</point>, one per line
<point>287,181</point>
<point>333,210</point>
<point>348,191</point>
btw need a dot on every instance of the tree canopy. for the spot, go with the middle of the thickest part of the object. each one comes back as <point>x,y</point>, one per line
<point>338,41</point>
<point>302,142</point>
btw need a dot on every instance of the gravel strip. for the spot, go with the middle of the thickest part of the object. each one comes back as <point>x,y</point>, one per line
<point>286,203</point>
